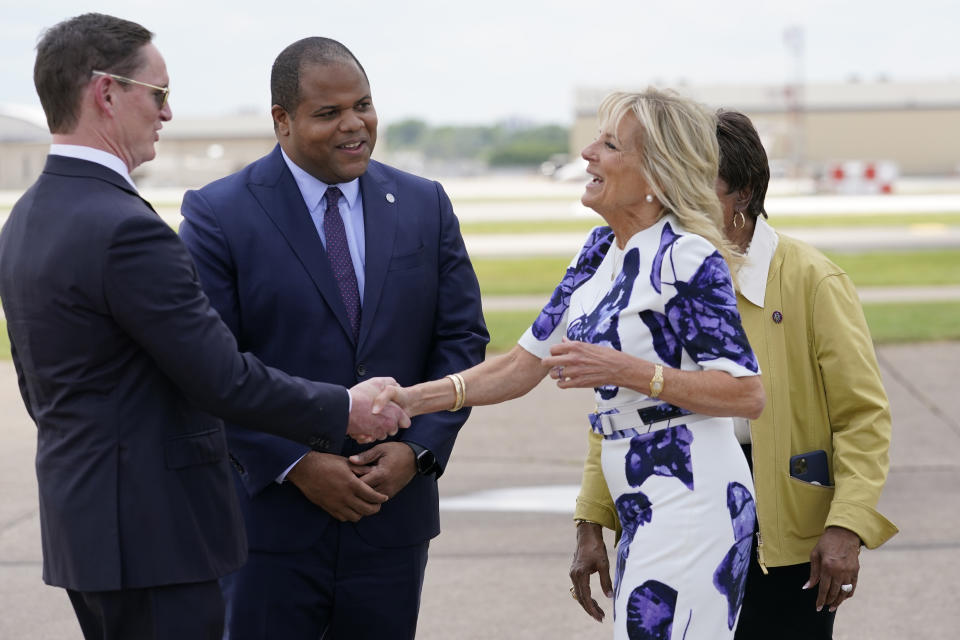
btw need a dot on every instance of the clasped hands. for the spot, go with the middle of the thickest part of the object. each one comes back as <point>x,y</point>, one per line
<point>352,488</point>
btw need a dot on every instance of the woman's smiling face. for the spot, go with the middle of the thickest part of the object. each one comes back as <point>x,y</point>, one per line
<point>613,162</point>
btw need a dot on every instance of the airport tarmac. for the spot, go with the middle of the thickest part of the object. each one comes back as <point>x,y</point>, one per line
<point>499,569</point>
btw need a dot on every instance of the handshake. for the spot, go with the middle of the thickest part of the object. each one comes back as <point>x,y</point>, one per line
<point>377,410</point>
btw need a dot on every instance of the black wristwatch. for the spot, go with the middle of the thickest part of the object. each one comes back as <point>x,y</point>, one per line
<point>426,461</point>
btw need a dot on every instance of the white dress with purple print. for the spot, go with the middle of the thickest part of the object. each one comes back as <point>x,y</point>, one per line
<point>683,493</point>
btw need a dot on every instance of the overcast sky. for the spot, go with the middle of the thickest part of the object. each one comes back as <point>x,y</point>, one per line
<point>477,62</point>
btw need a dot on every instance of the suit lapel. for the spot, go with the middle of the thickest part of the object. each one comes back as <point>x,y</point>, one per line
<point>380,214</point>
<point>275,189</point>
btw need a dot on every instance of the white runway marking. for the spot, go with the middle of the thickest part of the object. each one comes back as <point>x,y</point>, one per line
<point>548,499</point>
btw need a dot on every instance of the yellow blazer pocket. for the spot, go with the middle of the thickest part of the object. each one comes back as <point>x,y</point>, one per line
<point>406,260</point>
<point>196,448</point>
<point>807,505</point>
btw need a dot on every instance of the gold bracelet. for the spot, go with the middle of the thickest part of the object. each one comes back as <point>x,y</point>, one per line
<point>460,391</point>
<point>456,388</point>
<point>656,383</point>
<point>463,393</point>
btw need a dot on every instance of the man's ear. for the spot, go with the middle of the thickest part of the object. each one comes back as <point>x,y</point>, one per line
<point>102,89</point>
<point>281,120</point>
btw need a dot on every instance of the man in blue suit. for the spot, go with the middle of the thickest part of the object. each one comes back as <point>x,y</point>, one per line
<point>118,353</point>
<point>371,279</point>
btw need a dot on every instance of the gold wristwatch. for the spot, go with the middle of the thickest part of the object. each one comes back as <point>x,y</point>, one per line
<point>656,383</point>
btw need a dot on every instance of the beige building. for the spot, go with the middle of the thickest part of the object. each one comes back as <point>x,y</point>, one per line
<point>191,152</point>
<point>195,151</point>
<point>23,146</point>
<point>914,125</point>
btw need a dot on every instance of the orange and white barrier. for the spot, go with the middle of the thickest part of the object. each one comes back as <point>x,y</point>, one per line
<point>859,177</point>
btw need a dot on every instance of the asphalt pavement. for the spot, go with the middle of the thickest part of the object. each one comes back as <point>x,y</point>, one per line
<point>499,569</point>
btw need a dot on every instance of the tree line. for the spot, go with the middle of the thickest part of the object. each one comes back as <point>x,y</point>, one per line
<point>499,145</point>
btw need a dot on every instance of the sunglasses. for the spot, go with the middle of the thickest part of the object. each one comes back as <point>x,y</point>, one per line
<point>160,94</point>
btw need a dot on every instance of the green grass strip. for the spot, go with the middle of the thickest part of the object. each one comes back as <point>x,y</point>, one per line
<point>568,225</point>
<point>539,275</point>
<point>888,322</point>
<point>913,322</point>
<point>506,327</point>
<point>4,341</point>
<point>900,268</point>
<point>520,276</point>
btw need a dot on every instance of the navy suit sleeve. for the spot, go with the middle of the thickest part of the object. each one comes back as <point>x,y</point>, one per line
<point>262,457</point>
<point>153,293</point>
<point>460,334</point>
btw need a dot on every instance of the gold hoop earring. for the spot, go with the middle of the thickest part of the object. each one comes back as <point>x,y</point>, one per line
<point>743,220</point>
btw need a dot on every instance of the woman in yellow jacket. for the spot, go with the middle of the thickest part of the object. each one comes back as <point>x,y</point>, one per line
<point>820,449</point>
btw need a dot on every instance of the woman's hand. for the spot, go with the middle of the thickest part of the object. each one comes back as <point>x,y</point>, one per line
<point>589,558</point>
<point>576,364</point>
<point>392,393</point>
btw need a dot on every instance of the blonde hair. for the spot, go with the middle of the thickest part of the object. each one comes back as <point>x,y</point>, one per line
<point>679,159</point>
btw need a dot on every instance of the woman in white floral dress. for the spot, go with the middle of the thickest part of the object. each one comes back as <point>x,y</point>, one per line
<point>646,315</point>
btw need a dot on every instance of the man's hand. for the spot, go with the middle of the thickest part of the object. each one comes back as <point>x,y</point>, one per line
<point>834,561</point>
<point>387,467</point>
<point>392,394</point>
<point>365,426</point>
<point>589,558</point>
<point>328,482</point>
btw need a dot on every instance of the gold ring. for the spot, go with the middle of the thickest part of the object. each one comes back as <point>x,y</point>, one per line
<point>574,595</point>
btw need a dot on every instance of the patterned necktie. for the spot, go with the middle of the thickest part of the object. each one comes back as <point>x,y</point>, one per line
<point>338,252</point>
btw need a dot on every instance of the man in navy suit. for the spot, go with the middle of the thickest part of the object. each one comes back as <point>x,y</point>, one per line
<point>338,542</point>
<point>118,353</point>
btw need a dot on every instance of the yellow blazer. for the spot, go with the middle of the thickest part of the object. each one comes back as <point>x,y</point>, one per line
<point>823,391</point>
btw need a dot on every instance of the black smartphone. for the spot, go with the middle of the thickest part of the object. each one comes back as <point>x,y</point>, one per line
<point>812,467</point>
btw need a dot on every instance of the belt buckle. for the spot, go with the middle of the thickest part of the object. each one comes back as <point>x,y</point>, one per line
<point>603,419</point>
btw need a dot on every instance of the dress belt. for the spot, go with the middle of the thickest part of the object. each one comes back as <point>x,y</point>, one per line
<point>644,416</point>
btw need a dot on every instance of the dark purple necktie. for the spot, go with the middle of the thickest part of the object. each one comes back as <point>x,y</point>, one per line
<point>338,252</point>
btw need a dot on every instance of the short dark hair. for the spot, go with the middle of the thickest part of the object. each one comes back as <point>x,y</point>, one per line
<point>743,160</point>
<point>70,51</point>
<point>285,75</point>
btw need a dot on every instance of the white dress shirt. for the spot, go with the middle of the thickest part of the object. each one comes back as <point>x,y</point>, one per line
<point>350,204</point>
<point>351,210</point>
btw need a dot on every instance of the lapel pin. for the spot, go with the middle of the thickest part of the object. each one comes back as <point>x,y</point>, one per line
<point>777,317</point>
<point>390,198</point>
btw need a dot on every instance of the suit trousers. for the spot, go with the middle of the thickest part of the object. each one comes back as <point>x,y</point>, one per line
<point>171,612</point>
<point>340,589</point>
<point>775,605</point>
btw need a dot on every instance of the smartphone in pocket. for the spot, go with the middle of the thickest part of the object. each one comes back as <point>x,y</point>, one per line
<point>811,467</point>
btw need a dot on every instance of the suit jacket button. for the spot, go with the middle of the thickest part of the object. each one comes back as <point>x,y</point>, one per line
<point>236,465</point>
<point>361,369</point>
